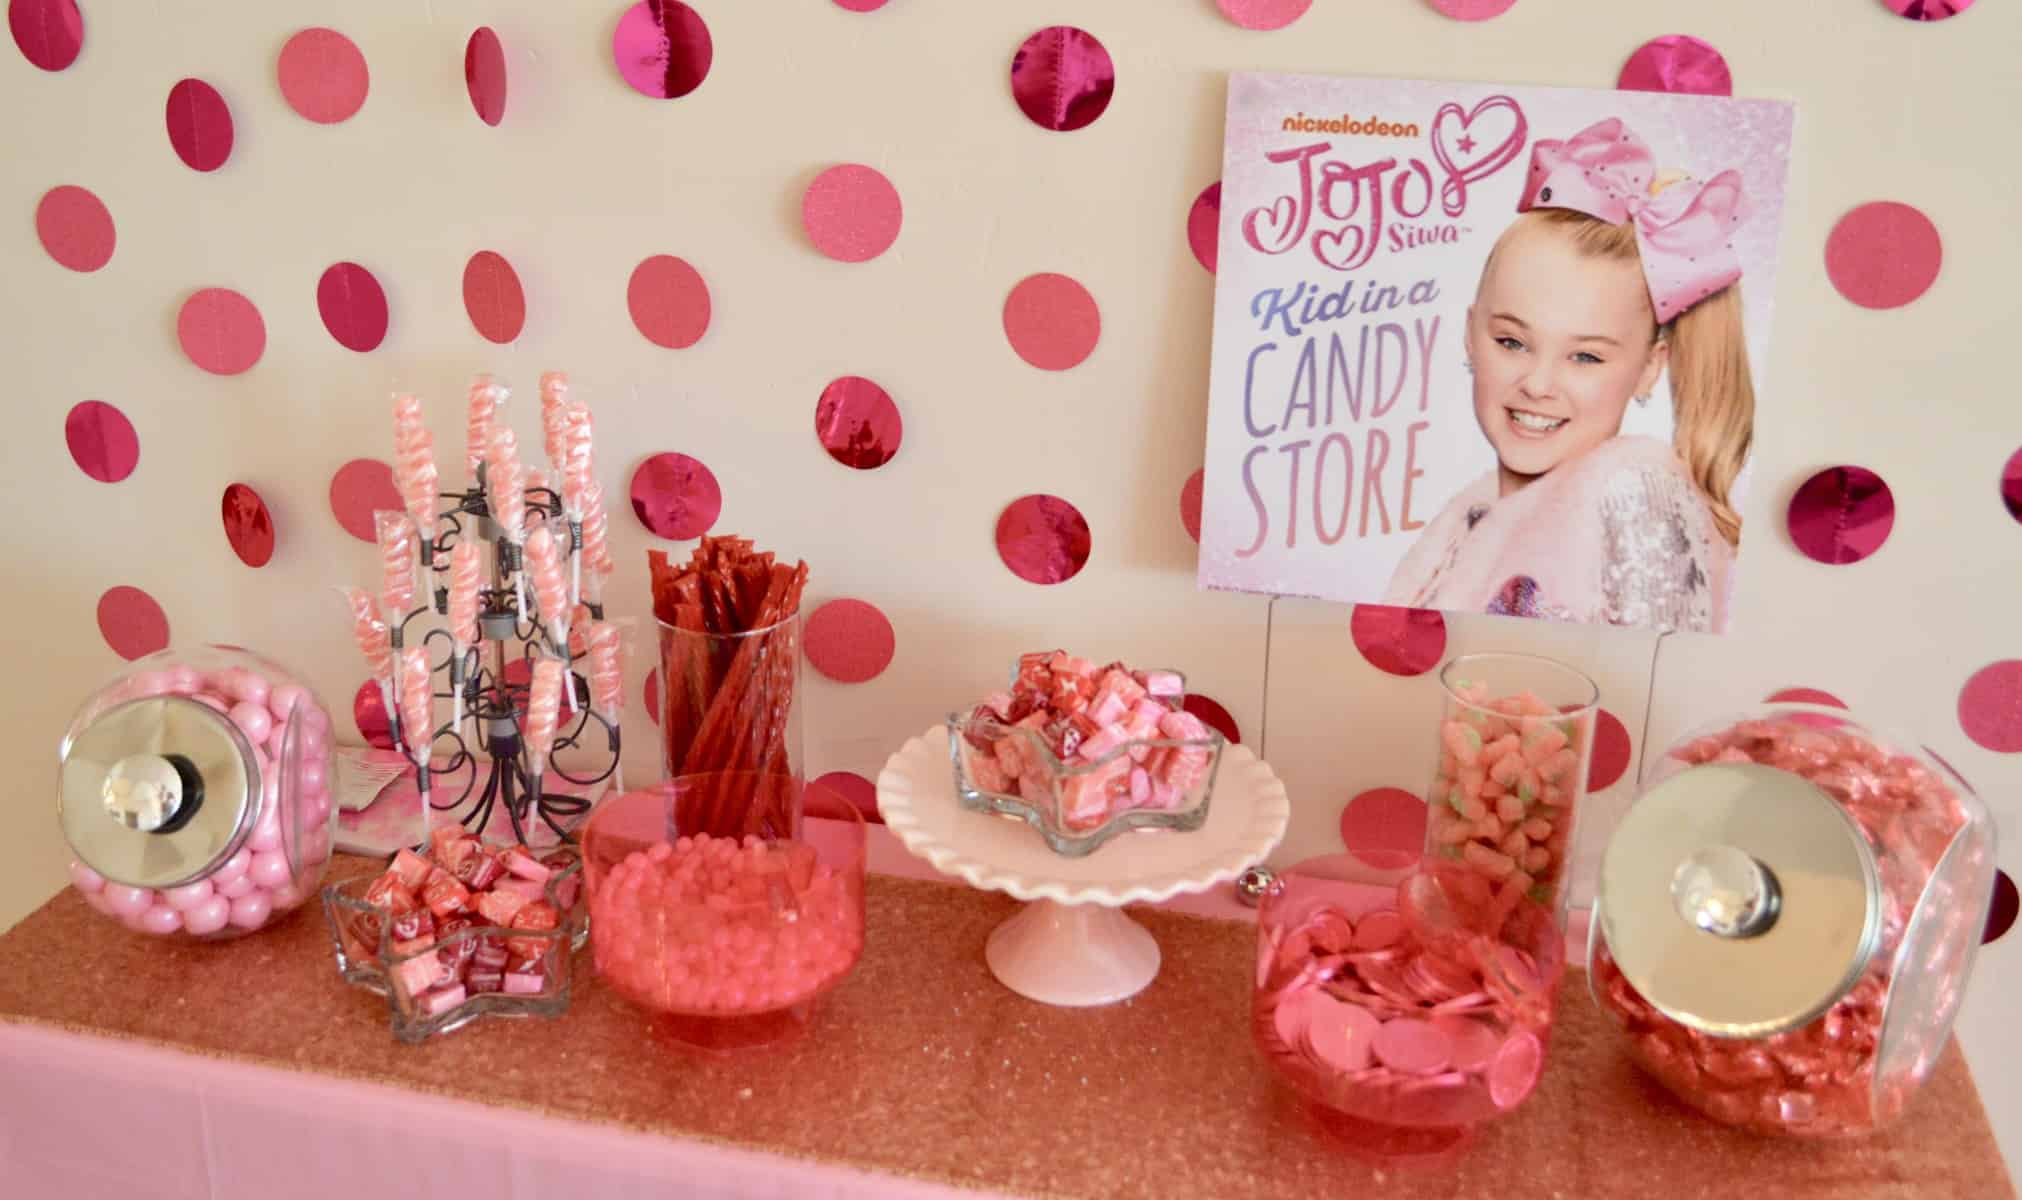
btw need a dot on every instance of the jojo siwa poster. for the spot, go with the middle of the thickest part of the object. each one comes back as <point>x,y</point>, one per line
<point>1489,349</point>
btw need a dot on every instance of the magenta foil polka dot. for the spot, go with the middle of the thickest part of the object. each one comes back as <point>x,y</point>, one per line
<point>101,440</point>
<point>131,622</point>
<point>199,125</point>
<point>323,76</point>
<point>857,423</point>
<point>353,306</point>
<point>2001,908</point>
<point>1883,255</point>
<point>1384,827</point>
<point>484,75</point>
<point>849,641</point>
<point>1677,63</point>
<point>1043,539</point>
<point>1841,515</point>
<point>221,331</point>
<point>75,228</point>
<point>1052,321</point>
<point>358,489</point>
<point>675,496</point>
<point>249,527</point>
<point>1062,78</point>
<point>1204,225</point>
<point>1990,707</point>
<point>1218,718</point>
<point>669,302</point>
<point>1927,10</point>
<point>851,212</point>
<point>1612,751</point>
<point>493,298</point>
<point>2011,485</point>
<point>368,712</point>
<point>662,49</point>
<point>1190,504</point>
<point>49,33</point>
<point>1398,641</point>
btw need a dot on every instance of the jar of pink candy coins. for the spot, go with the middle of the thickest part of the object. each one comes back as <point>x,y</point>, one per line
<point>729,941</point>
<point>1786,919</point>
<point>195,793</point>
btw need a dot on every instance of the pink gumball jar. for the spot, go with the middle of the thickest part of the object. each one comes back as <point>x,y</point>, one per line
<point>194,790</point>
<point>1786,919</point>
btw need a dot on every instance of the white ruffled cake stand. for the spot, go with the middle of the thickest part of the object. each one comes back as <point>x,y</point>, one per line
<point>1071,944</point>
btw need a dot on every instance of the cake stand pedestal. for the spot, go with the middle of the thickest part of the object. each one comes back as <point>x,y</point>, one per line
<point>1072,945</point>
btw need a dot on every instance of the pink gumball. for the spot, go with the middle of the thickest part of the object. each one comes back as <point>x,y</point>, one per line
<point>152,683</point>
<point>209,917</point>
<point>238,888</point>
<point>161,919</point>
<point>189,895</point>
<point>98,901</point>
<point>128,901</point>
<point>232,868</point>
<point>315,775</point>
<point>250,686</point>
<point>86,879</point>
<point>316,846</point>
<point>316,808</point>
<point>253,720</point>
<point>285,899</point>
<point>251,910</point>
<point>282,700</point>
<point>185,680</point>
<point>270,869</point>
<point>267,830</point>
<point>315,743</point>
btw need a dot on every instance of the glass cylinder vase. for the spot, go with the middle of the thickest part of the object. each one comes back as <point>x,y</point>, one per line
<point>730,702</point>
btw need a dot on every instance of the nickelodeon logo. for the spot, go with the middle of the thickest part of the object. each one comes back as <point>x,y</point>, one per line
<point>1372,126</point>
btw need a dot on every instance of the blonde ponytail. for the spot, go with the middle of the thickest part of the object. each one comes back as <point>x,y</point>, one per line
<point>1712,400</point>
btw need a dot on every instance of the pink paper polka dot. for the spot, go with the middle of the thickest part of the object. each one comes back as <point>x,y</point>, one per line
<point>1218,718</point>
<point>199,125</point>
<point>132,623</point>
<point>1052,321</point>
<point>2001,908</point>
<point>1062,78</point>
<point>323,76</point>
<point>662,49</point>
<point>368,712</point>
<point>1677,63</point>
<point>360,488</point>
<point>484,75</point>
<point>249,527</point>
<point>221,331</point>
<point>1612,749</point>
<point>1190,503</point>
<point>75,228</point>
<point>1473,10</point>
<point>852,212</point>
<point>675,496</point>
<point>353,306</point>
<point>1263,14</point>
<point>653,696</point>
<point>1841,515</point>
<point>101,441</point>
<point>492,297</point>
<point>1883,255</point>
<point>50,33</point>
<point>1928,10</point>
<point>1204,225</point>
<point>1043,539</point>
<point>1384,827</point>
<point>669,302</point>
<point>1804,695</point>
<point>1398,641</point>
<point>850,641</point>
<point>860,792</point>
<point>1990,706</point>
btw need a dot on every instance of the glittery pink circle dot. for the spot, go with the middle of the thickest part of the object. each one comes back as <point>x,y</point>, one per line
<point>1883,255</point>
<point>1612,749</point>
<point>1384,827</point>
<point>1928,10</point>
<point>221,331</point>
<point>131,622</point>
<point>484,75</point>
<point>1190,503</point>
<point>1841,515</point>
<point>353,306</point>
<point>1263,14</point>
<point>1062,78</point>
<point>1043,539</point>
<point>101,441</point>
<point>675,496</point>
<point>199,125</point>
<point>852,212</point>
<point>1677,63</point>
<point>323,76</point>
<point>1804,695</point>
<point>249,527</point>
<point>653,696</point>
<point>662,49</point>
<point>669,302</point>
<point>75,228</point>
<point>1990,706</point>
<point>360,488</point>
<point>1220,719</point>
<point>50,33</point>
<point>857,423</point>
<point>1052,321</point>
<point>492,297</point>
<point>368,712</point>
<point>1473,10</point>
<point>860,792</point>
<point>1398,641</point>
<point>850,641</point>
<point>2011,485</point>
<point>1204,225</point>
<point>2001,908</point>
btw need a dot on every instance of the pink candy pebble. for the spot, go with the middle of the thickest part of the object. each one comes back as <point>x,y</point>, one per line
<point>1413,1046</point>
<point>208,917</point>
<point>161,919</point>
<point>1516,1069</point>
<point>1340,1035</point>
<point>126,901</point>
<point>85,879</point>
<point>188,896</point>
<point>251,910</point>
<point>1378,930</point>
<point>1473,1042</point>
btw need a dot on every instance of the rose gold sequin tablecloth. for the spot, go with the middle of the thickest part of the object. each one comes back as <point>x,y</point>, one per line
<point>920,1065</point>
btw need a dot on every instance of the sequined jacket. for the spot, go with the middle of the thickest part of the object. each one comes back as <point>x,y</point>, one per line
<point>1618,536</point>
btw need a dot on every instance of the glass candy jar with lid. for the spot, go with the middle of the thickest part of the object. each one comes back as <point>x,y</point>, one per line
<point>1786,919</point>
<point>195,793</point>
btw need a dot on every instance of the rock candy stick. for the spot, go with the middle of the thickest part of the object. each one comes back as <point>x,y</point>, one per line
<point>396,564</point>
<point>485,399</point>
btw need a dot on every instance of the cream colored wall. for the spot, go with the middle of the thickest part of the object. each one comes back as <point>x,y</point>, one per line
<point>585,178</point>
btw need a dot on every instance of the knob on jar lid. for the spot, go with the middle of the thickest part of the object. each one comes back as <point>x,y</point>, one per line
<point>158,792</point>
<point>1739,900</point>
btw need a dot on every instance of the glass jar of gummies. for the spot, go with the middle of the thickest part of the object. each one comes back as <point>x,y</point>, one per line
<point>1787,916</point>
<point>195,793</point>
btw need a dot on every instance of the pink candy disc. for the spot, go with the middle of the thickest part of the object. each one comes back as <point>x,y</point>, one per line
<point>1338,1034</point>
<point>1062,78</point>
<point>1294,1011</point>
<point>662,49</point>
<point>1516,1069</point>
<point>1413,1046</point>
<point>1474,1043</point>
<point>1677,63</point>
<point>1043,539</point>
<point>323,76</point>
<point>1378,930</point>
<point>1841,515</point>
<point>851,212</point>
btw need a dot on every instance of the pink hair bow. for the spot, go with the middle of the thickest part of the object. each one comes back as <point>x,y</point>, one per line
<point>1684,228</point>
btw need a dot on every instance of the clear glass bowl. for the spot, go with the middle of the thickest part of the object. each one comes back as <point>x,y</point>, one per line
<point>421,986</point>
